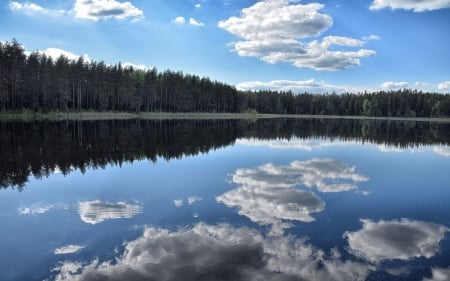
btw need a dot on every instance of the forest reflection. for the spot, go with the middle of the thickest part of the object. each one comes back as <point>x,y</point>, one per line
<point>41,148</point>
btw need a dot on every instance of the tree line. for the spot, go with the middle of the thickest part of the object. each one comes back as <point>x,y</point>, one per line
<point>37,82</point>
<point>40,148</point>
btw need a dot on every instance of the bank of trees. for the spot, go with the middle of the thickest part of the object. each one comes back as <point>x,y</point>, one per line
<point>37,82</point>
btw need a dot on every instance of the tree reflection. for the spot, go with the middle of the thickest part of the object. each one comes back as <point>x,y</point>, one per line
<point>43,148</point>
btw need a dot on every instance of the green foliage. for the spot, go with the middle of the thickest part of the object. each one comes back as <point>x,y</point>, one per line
<point>39,84</point>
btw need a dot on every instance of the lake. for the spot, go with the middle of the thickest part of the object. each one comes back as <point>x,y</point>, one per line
<point>266,199</point>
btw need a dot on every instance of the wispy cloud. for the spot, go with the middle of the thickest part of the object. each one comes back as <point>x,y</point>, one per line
<point>42,208</point>
<point>94,212</point>
<point>69,249</point>
<point>444,86</point>
<point>298,86</point>
<point>30,8</point>
<point>273,30</point>
<point>414,5</point>
<point>391,85</point>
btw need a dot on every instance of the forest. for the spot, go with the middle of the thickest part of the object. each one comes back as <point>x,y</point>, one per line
<point>41,148</point>
<point>39,83</point>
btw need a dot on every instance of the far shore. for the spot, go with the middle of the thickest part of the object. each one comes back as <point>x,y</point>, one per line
<point>54,116</point>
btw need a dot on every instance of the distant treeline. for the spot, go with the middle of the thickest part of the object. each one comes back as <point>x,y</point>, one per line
<point>40,148</point>
<point>39,83</point>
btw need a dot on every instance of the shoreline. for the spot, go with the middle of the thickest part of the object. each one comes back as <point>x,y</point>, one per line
<point>87,115</point>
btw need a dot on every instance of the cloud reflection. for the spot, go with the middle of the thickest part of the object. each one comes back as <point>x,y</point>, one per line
<point>327,175</point>
<point>219,252</point>
<point>273,205</point>
<point>69,249</point>
<point>40,208</point>
<point>266,194</point>
<point>94,212</point>
<point>397,239</point>
<point>439,274</point>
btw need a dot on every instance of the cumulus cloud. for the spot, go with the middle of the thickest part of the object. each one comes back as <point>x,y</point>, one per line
<point>94,212</point>
<point>415,5</point>
<point>391,85</point>
<point>444,86</point>
<point>105,9</point>
<point>219,252</point>
<point>398,239</point>
<point>69,249</point>
<point>439,274</point>
<point>266,194</point>
<point>327,175</point>
<point>85,9</point>
<point>273,205</point>
<point>298,86</point>
<point>179,20</point>
<point>30,8</point>
<point>272,30</point>
<point>194,22</point>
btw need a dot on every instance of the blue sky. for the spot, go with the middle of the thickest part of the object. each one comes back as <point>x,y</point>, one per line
<point>315,46</point>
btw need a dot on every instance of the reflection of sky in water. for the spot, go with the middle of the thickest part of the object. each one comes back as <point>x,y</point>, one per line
<point>220,252</point>
<point>404,239</point>
<point>121,222</point>
<point>94,212</point>
<point>266,194</point>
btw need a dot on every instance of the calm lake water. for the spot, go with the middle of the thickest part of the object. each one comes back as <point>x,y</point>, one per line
<point>278,199</point>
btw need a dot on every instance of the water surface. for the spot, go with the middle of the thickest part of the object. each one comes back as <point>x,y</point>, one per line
<point>280,199</point>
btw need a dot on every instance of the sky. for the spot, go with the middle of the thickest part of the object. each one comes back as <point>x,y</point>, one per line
<point>315,46</point>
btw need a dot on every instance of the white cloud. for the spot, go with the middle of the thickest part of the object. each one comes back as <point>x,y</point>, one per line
<point>193,199</point>
<point>30,8</point>
<point>105,9</point>
<point>94,212</point>
<point>198,5</point>
<point>444,86</point>
<point>391,85</point>
<point>439,274</point>
<point>56,53</point>
<point>194,22</point>
<point>415,5</point>
<point>218,252</point>
<point>271,31</point>
<point>135,66</point>
<point>69,249</point>
<point>273,205</point>
<point>442,150</point>
<point>266,195</point>
<point>40,208</point>
<point>398,239</point>
<point>327,175</point>
<point>178,202</point>
<point>179,20</point>
<point>298,86</point>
